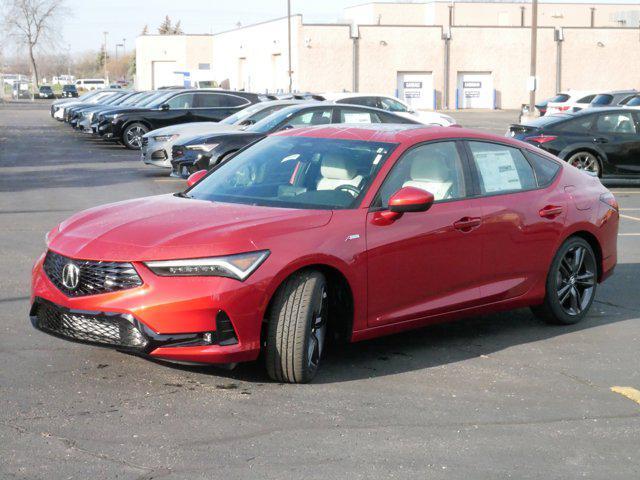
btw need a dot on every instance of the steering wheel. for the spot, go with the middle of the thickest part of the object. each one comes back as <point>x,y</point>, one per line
<point>350,189</point>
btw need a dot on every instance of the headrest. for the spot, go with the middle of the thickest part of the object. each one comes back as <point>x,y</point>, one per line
<point>336,167</point>
<point>433,168</point>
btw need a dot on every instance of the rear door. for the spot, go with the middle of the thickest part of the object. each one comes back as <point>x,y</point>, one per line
<point>617,134</point>
<point>213,106</point>
<point>521,219</point>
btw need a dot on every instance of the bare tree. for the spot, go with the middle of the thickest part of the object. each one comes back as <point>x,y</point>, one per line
<point>33,21</point>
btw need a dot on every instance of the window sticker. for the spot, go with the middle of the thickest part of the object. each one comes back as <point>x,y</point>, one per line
<point>498,171</point>
<point>357,117</point>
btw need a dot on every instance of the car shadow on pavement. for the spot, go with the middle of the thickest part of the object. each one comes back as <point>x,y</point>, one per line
<point>453,342</point>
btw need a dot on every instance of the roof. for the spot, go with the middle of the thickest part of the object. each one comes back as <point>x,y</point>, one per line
<point>392,133</point>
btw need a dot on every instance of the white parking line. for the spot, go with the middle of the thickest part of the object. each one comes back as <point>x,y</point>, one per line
<point>630,217</point>
<point>629,234</point>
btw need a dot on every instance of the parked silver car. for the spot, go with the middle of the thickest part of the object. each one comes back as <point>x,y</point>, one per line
<point>157,144</point>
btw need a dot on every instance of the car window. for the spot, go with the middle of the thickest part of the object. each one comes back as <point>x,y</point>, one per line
<point>219,100</point>
<point>559,98</point>
<point>615,123</point>
<point>392,105</point>
<point>354,115</point>
<point>313,117</point>
<point>602,99</point>
<point>587,99</point>
<point>625,100</point>
<point>433,167</point>
<point>184,100</point>
<point>364,101</point>
<point>501,168</point>
<point>545,168</point>
<point>634,102</point>
<point>581,124</point>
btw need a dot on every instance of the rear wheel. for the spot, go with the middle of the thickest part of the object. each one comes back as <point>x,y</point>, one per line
<point>571,284</point>
<point>132,136</point>
<point>585,161</point>
<point>297,328</point>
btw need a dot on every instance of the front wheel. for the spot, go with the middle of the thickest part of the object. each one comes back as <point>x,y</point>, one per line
<point>132,136</point>
<point>571,284</point>
<point>297,328</point>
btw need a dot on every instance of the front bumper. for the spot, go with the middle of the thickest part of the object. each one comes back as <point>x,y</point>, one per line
<point>184,319</point>
<point>155,154</point>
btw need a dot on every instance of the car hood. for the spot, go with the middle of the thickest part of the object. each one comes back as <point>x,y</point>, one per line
<point>169,227</point>
<point>193,128</point>
<point>220,136</point>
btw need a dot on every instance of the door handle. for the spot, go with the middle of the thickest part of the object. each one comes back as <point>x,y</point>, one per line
<point>600,140</point>
<point>551,211</point>
<point>466,224</point>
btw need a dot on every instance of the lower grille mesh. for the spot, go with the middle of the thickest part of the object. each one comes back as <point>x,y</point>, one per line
<point>104,329</point>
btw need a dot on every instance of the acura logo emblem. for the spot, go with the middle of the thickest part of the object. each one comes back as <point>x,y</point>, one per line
<point>71,276</point>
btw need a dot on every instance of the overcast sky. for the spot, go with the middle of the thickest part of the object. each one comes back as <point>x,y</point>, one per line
<point>83,28</point>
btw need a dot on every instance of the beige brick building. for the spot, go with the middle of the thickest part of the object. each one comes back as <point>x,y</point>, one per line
<point>434,54</point>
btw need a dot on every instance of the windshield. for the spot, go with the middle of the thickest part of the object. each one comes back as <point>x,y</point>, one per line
<point>160,99</point>
<point>297,172</point>
<point>252,114</point>
<point>559,98</point>
<point>270,122</point>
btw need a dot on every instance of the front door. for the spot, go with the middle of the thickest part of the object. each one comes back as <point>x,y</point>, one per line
<point>425,263</point>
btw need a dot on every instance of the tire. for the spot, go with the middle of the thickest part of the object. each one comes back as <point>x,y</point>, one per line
<point>571,284</point>
<point>585,160</point>
<point>132,135</point>
<point>297,328</point>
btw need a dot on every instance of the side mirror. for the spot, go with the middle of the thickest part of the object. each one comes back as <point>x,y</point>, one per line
<point>407,199</point>
<point>195,177</point>
<point>164,107</point>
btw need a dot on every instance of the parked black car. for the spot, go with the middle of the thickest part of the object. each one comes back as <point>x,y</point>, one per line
<point>45,91</point>
<point>604,142</point>
<point>101,122</point>
<point>112,98</point>
<point>208,151</point>
<point>69,91</point>
<point>180,106</point>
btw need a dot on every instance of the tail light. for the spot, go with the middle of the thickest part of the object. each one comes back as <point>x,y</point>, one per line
<point>541,138</point>
<point>563,108</point>
<point>609,200</point>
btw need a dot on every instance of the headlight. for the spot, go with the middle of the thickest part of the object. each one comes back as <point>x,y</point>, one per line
<point>203,147</point>
<point>165,138</point>
<point>232,266</point>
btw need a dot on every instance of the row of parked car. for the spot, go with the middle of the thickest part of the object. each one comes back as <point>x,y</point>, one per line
<point>184,130</point>
<point>576,100</point>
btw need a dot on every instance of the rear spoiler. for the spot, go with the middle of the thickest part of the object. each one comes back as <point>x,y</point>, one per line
<point>519,129</point>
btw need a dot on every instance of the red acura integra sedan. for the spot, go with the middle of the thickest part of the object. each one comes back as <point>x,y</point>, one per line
<point>352,232</point>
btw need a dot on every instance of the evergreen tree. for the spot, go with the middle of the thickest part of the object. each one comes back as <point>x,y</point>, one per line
<point>165,27</point>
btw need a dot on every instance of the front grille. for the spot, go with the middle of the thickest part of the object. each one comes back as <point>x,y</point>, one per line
<point>94,277</point>
<point>102,328</point>
<point>177,151</point>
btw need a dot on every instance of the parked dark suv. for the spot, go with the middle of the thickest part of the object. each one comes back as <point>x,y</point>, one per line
<point>180,106</point>
<point>69,91</point>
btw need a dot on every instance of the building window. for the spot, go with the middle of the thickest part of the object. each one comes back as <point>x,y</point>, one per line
<point>204,66</point>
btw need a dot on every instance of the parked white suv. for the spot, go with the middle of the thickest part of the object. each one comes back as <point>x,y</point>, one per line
<point>390,104</point>
<point>570,101</point>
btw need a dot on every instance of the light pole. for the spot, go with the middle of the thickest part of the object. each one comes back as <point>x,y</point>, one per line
<point>124,47</point>
<point>104,46</point>
<point>534,45</point>
<point>289,43</point>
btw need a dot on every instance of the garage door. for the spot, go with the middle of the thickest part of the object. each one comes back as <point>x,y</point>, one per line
<point>416,89</point>
<point>163,75</point>
<point>475,90</point>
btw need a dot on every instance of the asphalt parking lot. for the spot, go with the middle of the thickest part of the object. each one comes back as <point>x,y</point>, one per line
<point>500,396</point>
